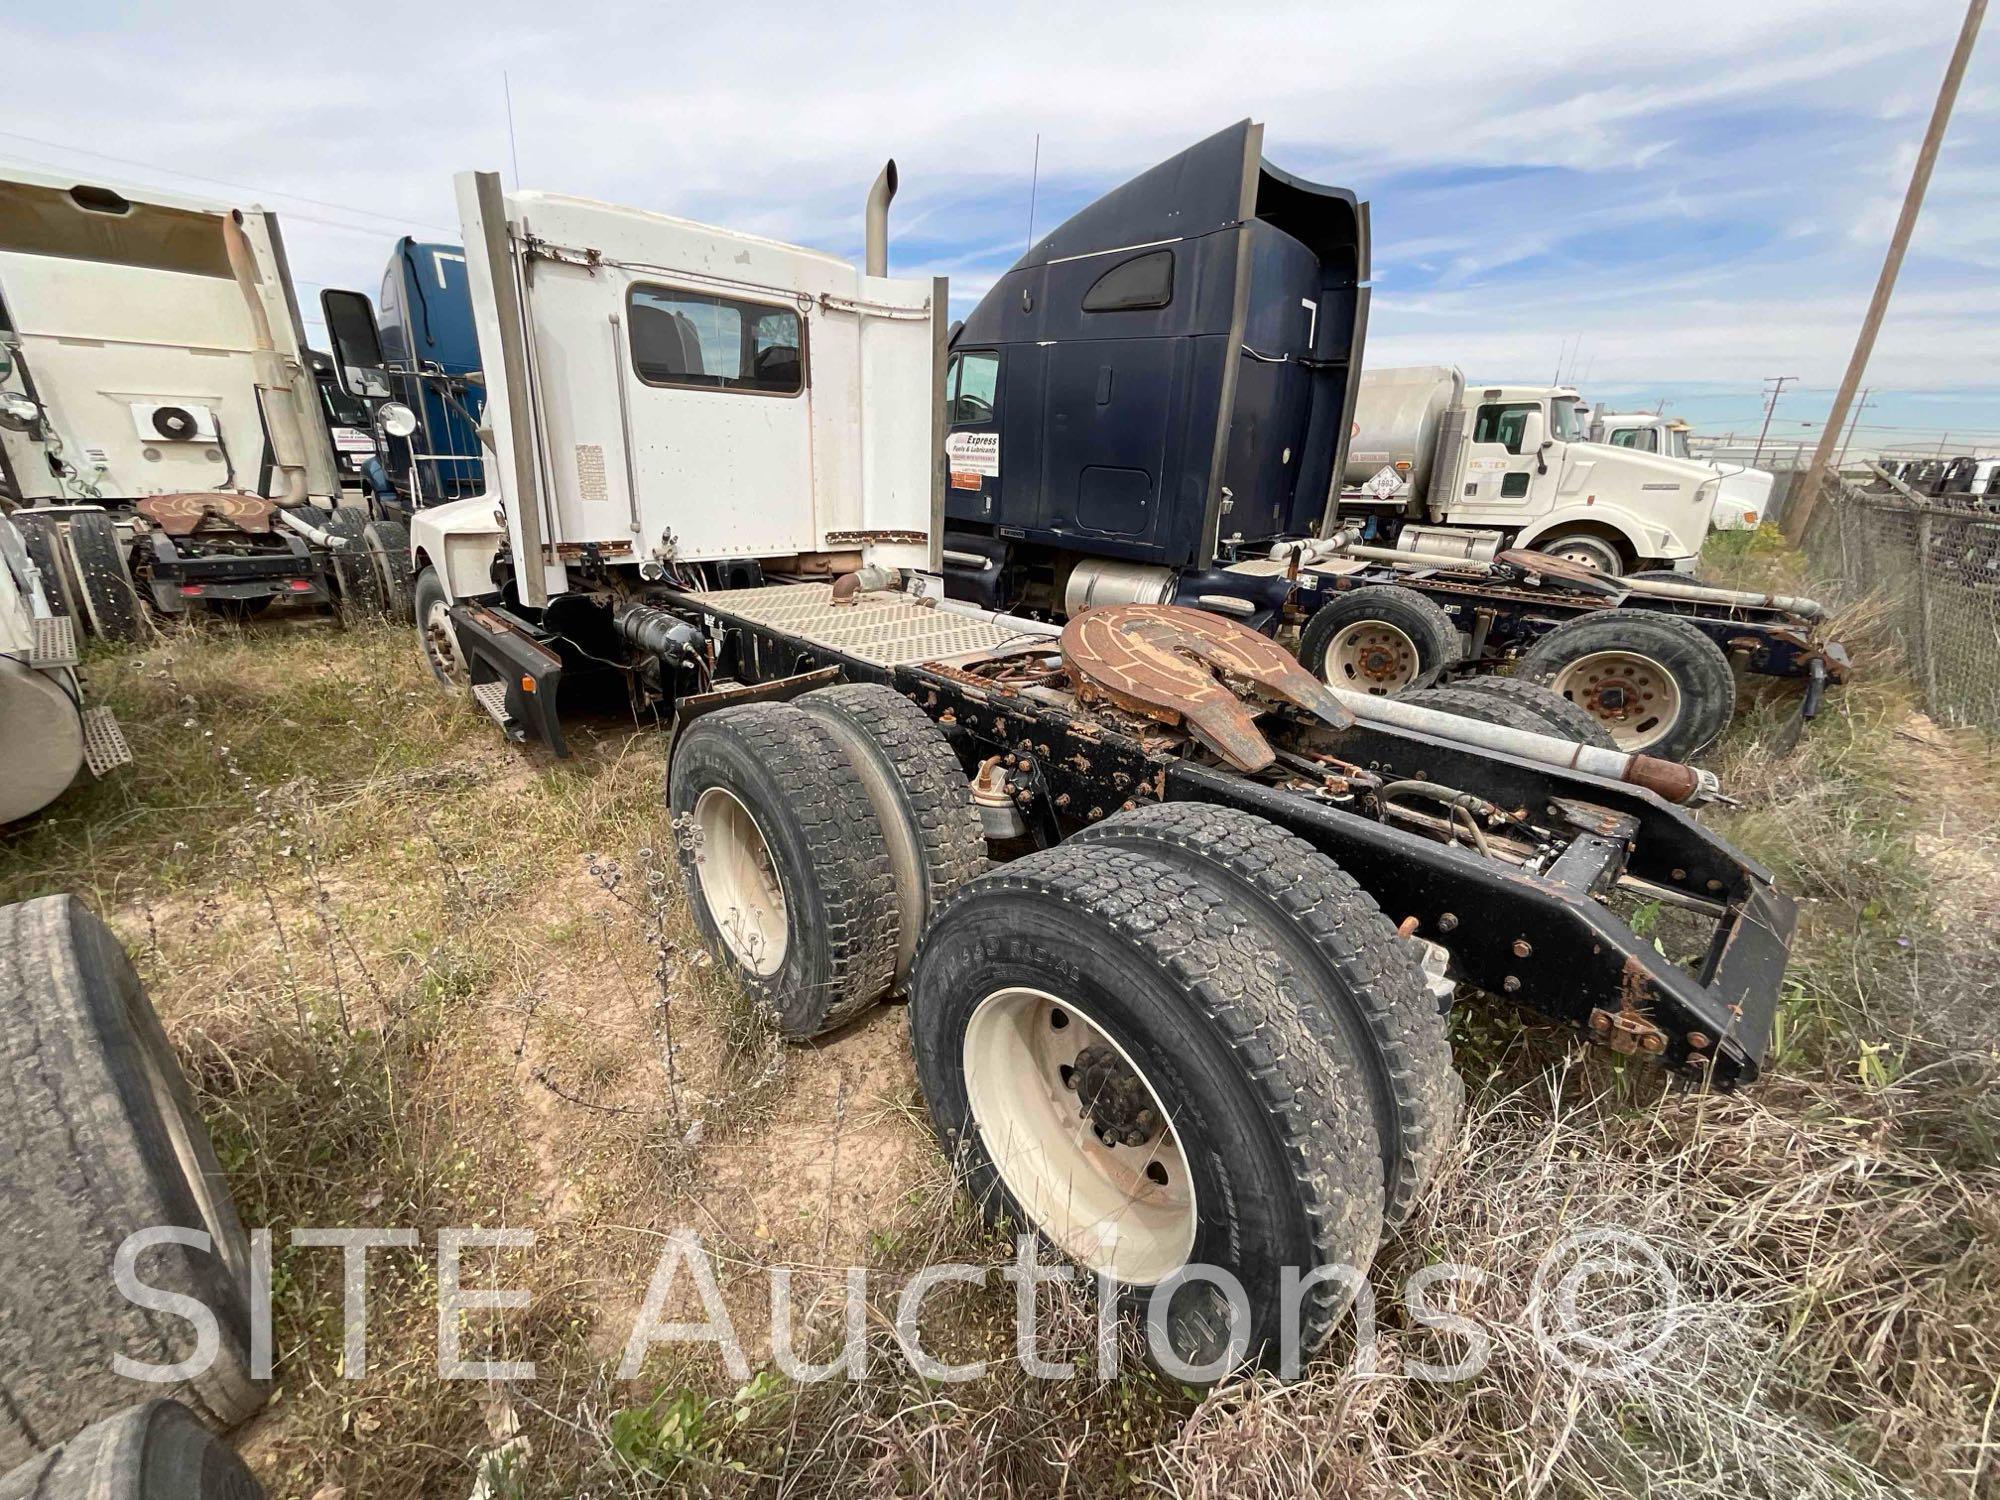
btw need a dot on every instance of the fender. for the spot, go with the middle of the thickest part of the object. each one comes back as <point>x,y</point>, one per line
<point>460,539</point>
<point>1645,541</point>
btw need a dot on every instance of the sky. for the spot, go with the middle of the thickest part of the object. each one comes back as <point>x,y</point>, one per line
<point>1663,203</point>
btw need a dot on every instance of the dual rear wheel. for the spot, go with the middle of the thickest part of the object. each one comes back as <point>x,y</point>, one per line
<point>1183,1048</point>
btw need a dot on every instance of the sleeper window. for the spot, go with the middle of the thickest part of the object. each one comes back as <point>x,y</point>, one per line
<point>709,342</point>
<point>1143,281</point>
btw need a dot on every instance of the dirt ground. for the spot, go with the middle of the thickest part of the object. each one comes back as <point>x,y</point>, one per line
<point>425,979</point>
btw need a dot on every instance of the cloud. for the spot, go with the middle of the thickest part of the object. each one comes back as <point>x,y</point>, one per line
<point>1699,195</point>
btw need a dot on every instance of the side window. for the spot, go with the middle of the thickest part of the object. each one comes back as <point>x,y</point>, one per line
<point>1642,438</point>
<point>1514,486</point>
<point>715,343</point>
<point>1143,281</point>
<point>971,383</point>
<point>1502,423</point>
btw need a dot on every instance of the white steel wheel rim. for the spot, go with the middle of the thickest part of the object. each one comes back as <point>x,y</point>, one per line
<point>1586,554</point>
<point>739,881</point>
<point>1371,656</point>
<point>1123,1211</point>
<point>1633,696</point>
<point>441,643</point>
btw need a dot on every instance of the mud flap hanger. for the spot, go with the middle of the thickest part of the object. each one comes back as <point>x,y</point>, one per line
<point>514,676</point>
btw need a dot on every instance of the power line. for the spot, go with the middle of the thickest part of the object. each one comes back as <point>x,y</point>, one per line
<point>1778,384</point>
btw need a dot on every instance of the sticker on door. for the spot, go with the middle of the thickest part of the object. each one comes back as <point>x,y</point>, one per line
<point>971,457</point>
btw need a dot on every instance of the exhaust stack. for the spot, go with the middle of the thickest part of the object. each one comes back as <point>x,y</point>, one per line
<point>877,257</point>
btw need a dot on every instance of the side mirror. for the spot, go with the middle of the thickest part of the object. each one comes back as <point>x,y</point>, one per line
<point>396,419</point>
<point>358,366</point>
<point>1534,432</point>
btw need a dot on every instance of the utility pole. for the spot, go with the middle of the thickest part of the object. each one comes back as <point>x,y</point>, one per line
<point>1841,462</point>
<point>1778,384</point>
<point>1913,202</point>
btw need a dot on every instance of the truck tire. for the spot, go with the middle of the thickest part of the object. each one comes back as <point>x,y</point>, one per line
<point>1368,981</point>
<point>1668,575</point>
<point>388,546</point>
<point>437,639</point>
<point>1655,682</point>
<point>1558,716</point>
<point>786,867</point>
<point>100,1139</point>
<point>110,598</point>
<point>1381,640</point>
<point>1101,982</point>
<point>158,1451</point>
<point>922,800</point>
<point>44,546</point>
<point>1598,553</point>
<point>1485,708</point>
<point>353,573</point>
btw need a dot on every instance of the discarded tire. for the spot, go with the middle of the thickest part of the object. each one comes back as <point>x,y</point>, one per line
<point>388,546</point>
<point>100,1139</point>
<point>1368,982</point>
<point>158,1451</point>
<point>786,868</point>
<point>1557,715</point>
<point>920,795</point>
<point>1654,681</point>
<point>353,572</point>
<point>1112,1053</point>
<point>110,598</point>
<point>1382,641</point>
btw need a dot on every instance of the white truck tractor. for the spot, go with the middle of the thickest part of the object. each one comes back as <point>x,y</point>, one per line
<point>1746,492</point>
<point>1436,467</point>
<point>162,439</point>
<point>1194,1016</point>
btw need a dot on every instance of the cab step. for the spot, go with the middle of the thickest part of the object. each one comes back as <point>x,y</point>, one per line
<point>492,696</point>
<point>104,745</point>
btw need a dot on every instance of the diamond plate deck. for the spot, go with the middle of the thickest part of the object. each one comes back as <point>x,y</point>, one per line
<point>890,630</point>
<point>55,642</point>
<point>104,747</point>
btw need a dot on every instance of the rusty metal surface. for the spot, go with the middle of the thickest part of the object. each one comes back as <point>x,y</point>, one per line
<point>180,515</point>
<point>1548,565</point>
<point>1184,666</point>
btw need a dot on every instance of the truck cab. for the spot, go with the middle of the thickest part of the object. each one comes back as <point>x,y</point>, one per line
<point>1745,494</point>
<point>1439,466</point>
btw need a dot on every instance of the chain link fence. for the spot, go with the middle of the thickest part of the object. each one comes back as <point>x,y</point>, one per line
<point>1936,566</point>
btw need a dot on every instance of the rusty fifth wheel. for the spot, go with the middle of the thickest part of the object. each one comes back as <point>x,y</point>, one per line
<point>1113,1051</point>
<point>1654,681</point>
<point>1380,641</point>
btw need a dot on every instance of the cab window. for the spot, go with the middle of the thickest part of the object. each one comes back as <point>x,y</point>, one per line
<point>1502,423</point>
<point>1565,426</point>
<point>1643,438</point>
<point>696,339</point>
<point>970,384</point>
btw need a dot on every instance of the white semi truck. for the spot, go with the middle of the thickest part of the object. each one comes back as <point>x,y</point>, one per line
<point>1435,466</point>
<point>1147,1035</point>
<point>162,439</point>
<point>1745,493</point>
